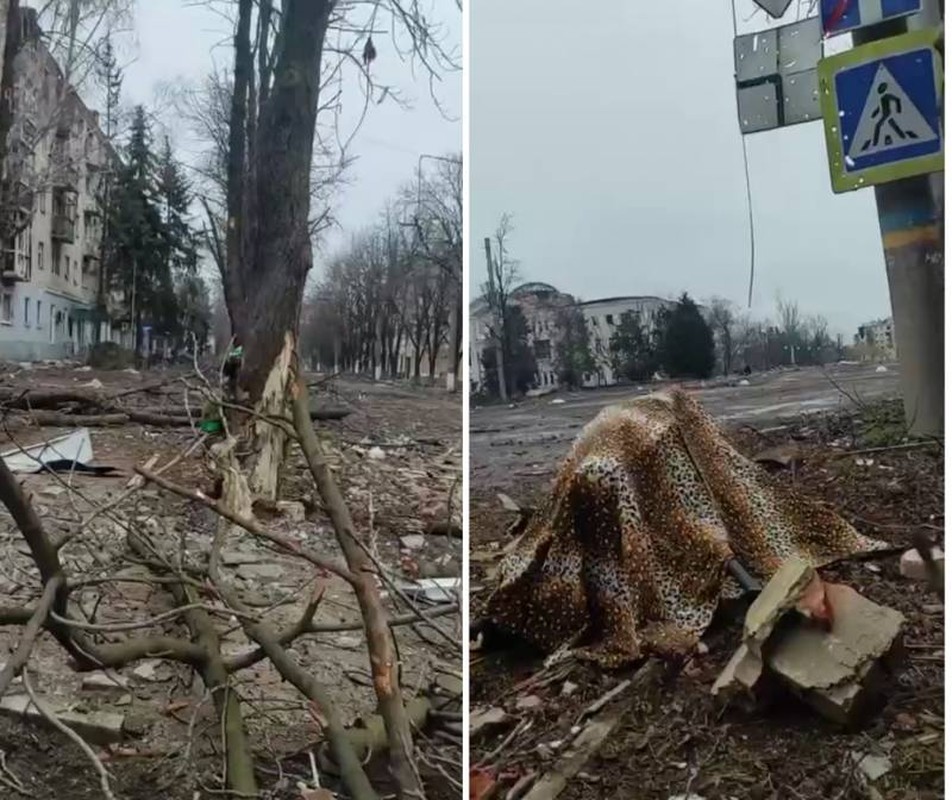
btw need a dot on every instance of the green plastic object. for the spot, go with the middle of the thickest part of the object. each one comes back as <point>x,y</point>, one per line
<point>211,426</point>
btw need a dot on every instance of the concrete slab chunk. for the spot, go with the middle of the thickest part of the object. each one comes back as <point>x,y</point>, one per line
<point>260,572</point>
<point>484,720</point>
<point>913,567</point>
<point>97,727</point>
<point>840,672</point>
<point>105,681</point>
<point>292,509</point>
<point>743,671</point>
<point>862,631</point>
<point>782,592</point>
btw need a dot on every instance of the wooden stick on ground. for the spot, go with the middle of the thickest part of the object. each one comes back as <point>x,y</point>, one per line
<point>589,740</point>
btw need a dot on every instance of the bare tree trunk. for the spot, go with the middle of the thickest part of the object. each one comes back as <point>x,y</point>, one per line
<point>268,233</point>
<point>454,344</point>
<point>378,348</point>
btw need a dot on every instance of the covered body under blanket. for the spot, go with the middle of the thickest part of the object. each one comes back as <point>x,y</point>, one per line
<point>627,556</point>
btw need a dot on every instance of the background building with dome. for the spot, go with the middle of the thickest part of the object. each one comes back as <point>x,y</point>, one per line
<point>543,307</point>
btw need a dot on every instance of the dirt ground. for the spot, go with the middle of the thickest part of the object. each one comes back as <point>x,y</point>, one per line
<point>397,458</point>
<point>675,740</point>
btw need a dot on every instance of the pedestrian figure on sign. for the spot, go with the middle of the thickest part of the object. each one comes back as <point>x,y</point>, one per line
<point>889,106</point>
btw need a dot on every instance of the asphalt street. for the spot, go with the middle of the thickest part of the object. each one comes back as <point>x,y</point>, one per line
<point>532,436</point>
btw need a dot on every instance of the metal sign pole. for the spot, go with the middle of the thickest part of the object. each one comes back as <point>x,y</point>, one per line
<point>910,223</point>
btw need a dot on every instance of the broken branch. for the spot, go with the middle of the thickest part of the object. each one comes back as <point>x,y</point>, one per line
<point>15,663</point>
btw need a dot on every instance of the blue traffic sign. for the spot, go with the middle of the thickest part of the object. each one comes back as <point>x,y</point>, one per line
<point>881,109</point>
<point>840,16</point>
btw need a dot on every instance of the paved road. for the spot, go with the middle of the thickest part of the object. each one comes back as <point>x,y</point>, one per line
<point>507,442</point>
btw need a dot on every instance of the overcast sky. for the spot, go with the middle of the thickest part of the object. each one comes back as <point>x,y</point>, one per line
<point>610,134</point>
<point>177,41</point>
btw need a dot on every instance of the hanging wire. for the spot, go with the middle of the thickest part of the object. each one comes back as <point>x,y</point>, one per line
<point>750,201</point>
<point>750,224</point>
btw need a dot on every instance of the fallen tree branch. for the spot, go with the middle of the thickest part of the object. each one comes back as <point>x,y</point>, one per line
<point>251,525</point>
<point>352,771</point>
<point>383,661</point>
<point>15,663</point>
<point>252,657</point>
<point>88,655</point>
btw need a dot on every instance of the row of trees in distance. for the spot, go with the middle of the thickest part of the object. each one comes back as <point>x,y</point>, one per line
<point>391,302</point>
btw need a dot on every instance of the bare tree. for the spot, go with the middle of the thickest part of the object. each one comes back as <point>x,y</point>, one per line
<point>439,223</point>
<point>283,57</point>
<point>722,321</point>
<point>503,275</point>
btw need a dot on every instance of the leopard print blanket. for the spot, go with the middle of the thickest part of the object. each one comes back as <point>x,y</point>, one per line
<point>627,557</point>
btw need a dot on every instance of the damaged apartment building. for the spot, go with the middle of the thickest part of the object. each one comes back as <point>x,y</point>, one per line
<point>543,307</point>
<point>54,302</point>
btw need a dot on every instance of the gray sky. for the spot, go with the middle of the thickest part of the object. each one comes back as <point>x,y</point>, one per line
<point>178,41</point>
<point>611,136</point>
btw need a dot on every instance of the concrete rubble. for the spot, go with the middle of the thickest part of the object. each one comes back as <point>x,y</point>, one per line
<point>97,727</point>
<point>838,668</point>
<point>912,565</point>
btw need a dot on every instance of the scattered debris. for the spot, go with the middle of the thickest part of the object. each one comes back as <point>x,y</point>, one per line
<point>260,572</point>
<point>783,456</point>
<point>292,509</point>
<point>528,702</point>
<point>434,590</point>
<point>108,681</point>
<point>587,740</point>
<point>146,670</point>
<point>913,566</point>
<point>97,727</point>
<point>871,765</point>
<point>412,541</point>
<point>481,722</point>
<point>75,447</point>
<point>508,503</point>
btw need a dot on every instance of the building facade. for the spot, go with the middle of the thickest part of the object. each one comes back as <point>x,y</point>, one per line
<point>878,337</point>
<point>57,157</point>
<point>544,308</point>
<point>602,318</point>
<point>541,305</point>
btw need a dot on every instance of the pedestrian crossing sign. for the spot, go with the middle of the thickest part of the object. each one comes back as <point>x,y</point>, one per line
<point>882,113</point>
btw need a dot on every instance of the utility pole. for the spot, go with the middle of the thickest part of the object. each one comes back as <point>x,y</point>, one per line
<point>453,338</point>
<point>910,223</point>
<point>135,325</point>
<point>500,367</point>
